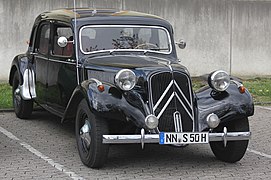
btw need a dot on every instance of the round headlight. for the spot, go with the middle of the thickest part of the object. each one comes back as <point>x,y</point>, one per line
<point>151,121</point>
<point>212,120</point>
<point>219,80</point>
<point>125,79</point>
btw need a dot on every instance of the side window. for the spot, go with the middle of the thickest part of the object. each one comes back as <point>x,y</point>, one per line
<point>65,51</point>
<point>44,39</point>
<point>31,40</point>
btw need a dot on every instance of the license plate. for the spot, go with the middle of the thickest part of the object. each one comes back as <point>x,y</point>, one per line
<point>183,138</point>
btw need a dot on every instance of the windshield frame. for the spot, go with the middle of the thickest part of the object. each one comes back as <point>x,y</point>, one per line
<point>125,50</point>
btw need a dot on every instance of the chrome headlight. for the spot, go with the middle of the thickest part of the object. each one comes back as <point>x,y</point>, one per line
<point>125,79</point>
<point>212,120</point>
<point>219,80</point>
<point>151,121</point>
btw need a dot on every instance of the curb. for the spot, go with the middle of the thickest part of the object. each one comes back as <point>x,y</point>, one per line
<point>6,110</point>
<point>262,103</point>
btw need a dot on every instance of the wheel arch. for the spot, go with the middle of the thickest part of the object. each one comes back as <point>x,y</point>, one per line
<point>106,103</point>
<point>76,98</point>
<point>15,67</point>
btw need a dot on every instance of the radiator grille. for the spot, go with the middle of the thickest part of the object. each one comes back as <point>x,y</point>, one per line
<point>171,92</point>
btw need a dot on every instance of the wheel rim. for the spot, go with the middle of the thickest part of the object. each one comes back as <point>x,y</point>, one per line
<point>17,98</point>
<point>84,134</point>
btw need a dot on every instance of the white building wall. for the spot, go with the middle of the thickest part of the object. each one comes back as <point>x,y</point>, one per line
<point>233,35</point>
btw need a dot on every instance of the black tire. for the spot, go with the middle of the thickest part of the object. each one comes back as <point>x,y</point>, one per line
<point>93,154</point>
<point>235,150</point>
<point>23,108</point>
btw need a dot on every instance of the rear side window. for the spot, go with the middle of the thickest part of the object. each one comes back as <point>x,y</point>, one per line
<point>44,39</point>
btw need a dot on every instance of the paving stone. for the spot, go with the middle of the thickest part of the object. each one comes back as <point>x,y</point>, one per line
<point>45,133</point>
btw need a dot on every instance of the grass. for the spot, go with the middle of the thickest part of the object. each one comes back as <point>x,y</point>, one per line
<point>5,96</point>
<point>260,88</point>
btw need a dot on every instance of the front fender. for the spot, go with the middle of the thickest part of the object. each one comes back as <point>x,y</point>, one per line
<point>228,105</point>
<point>112,103</point>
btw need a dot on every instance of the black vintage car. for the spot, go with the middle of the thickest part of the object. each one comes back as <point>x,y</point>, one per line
<point>116,73</point>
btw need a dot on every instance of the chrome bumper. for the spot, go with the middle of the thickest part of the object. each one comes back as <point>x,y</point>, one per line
<point>154,138</point>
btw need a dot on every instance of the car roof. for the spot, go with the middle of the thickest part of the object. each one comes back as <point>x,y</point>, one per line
<point>68,14</point>
<point>102,16</point>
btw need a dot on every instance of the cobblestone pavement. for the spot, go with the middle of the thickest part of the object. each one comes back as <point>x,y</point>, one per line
<point>43,148</point>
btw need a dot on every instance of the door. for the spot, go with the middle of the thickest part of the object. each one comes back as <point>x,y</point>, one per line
<point>61,77</point>
<point>41,51</point>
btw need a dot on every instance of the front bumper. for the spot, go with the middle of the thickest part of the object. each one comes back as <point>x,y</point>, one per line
<point>154,138</point>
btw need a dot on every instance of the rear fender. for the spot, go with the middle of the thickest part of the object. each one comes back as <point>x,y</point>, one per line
<point>26,71</point>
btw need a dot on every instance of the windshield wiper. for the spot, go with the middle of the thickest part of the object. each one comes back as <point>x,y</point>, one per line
<point>158,49</point>
<point>152,50</point>
<point>126,50</point>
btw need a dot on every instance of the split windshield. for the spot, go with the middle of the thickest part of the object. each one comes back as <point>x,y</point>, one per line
<point>119,37</point>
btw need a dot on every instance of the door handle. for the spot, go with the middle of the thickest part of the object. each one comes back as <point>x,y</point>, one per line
<point>71,60</point>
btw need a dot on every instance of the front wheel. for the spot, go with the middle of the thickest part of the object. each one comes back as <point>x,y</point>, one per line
<point>89,135</point>
<point>23,108</point>
<point>235,150</point>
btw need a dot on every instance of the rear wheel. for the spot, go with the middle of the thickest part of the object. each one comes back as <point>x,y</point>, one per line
<point>235,150</point>
<point>89,135</point>
<point>23,108</point>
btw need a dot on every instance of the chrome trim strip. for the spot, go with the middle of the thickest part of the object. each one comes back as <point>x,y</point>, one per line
<point>154,138</point>
<point>179,89</point>
<point>58,61</point>
<point>150,89</point>
<point>166,105</point>
<point>98,83</point>
<point>64,62</point>
<point>170,67</point>
<point>128,50</point>
<point>178,121</point>
<point>142,138</point>
<point>28,88</point>
<point>41,57</point>
<point>191,116</point>
<point>225,132</point>
<point>163,95</point>
<point>238,84</point>
<point>121,139</point>
<point>166,91</point>
<point>230,136</point>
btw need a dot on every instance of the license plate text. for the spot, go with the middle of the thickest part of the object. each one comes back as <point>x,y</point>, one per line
<point>183,138</point>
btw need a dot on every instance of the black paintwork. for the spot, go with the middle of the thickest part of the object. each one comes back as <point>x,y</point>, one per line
<point>229,105</point>
<point>59,92</point>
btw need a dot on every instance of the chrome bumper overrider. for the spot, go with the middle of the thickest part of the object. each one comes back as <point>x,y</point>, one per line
<point>154,138</point>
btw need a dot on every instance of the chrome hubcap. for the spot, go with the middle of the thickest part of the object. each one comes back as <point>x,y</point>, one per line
<point>17,96</point>
<point>85,135</point>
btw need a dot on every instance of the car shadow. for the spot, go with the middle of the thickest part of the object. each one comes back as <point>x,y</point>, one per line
<point>132,155</point>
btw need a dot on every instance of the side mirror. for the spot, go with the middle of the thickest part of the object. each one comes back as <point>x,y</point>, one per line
<point>62,41</point>
<point>181,44</point>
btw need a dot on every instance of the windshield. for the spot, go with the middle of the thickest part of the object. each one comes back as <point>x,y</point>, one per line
<point>120,37</point>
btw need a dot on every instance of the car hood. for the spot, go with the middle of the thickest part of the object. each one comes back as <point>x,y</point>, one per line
<point>134,62</point>
<point>104,68</point>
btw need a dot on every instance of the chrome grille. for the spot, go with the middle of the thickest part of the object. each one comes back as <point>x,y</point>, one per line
<point>171,93</point>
